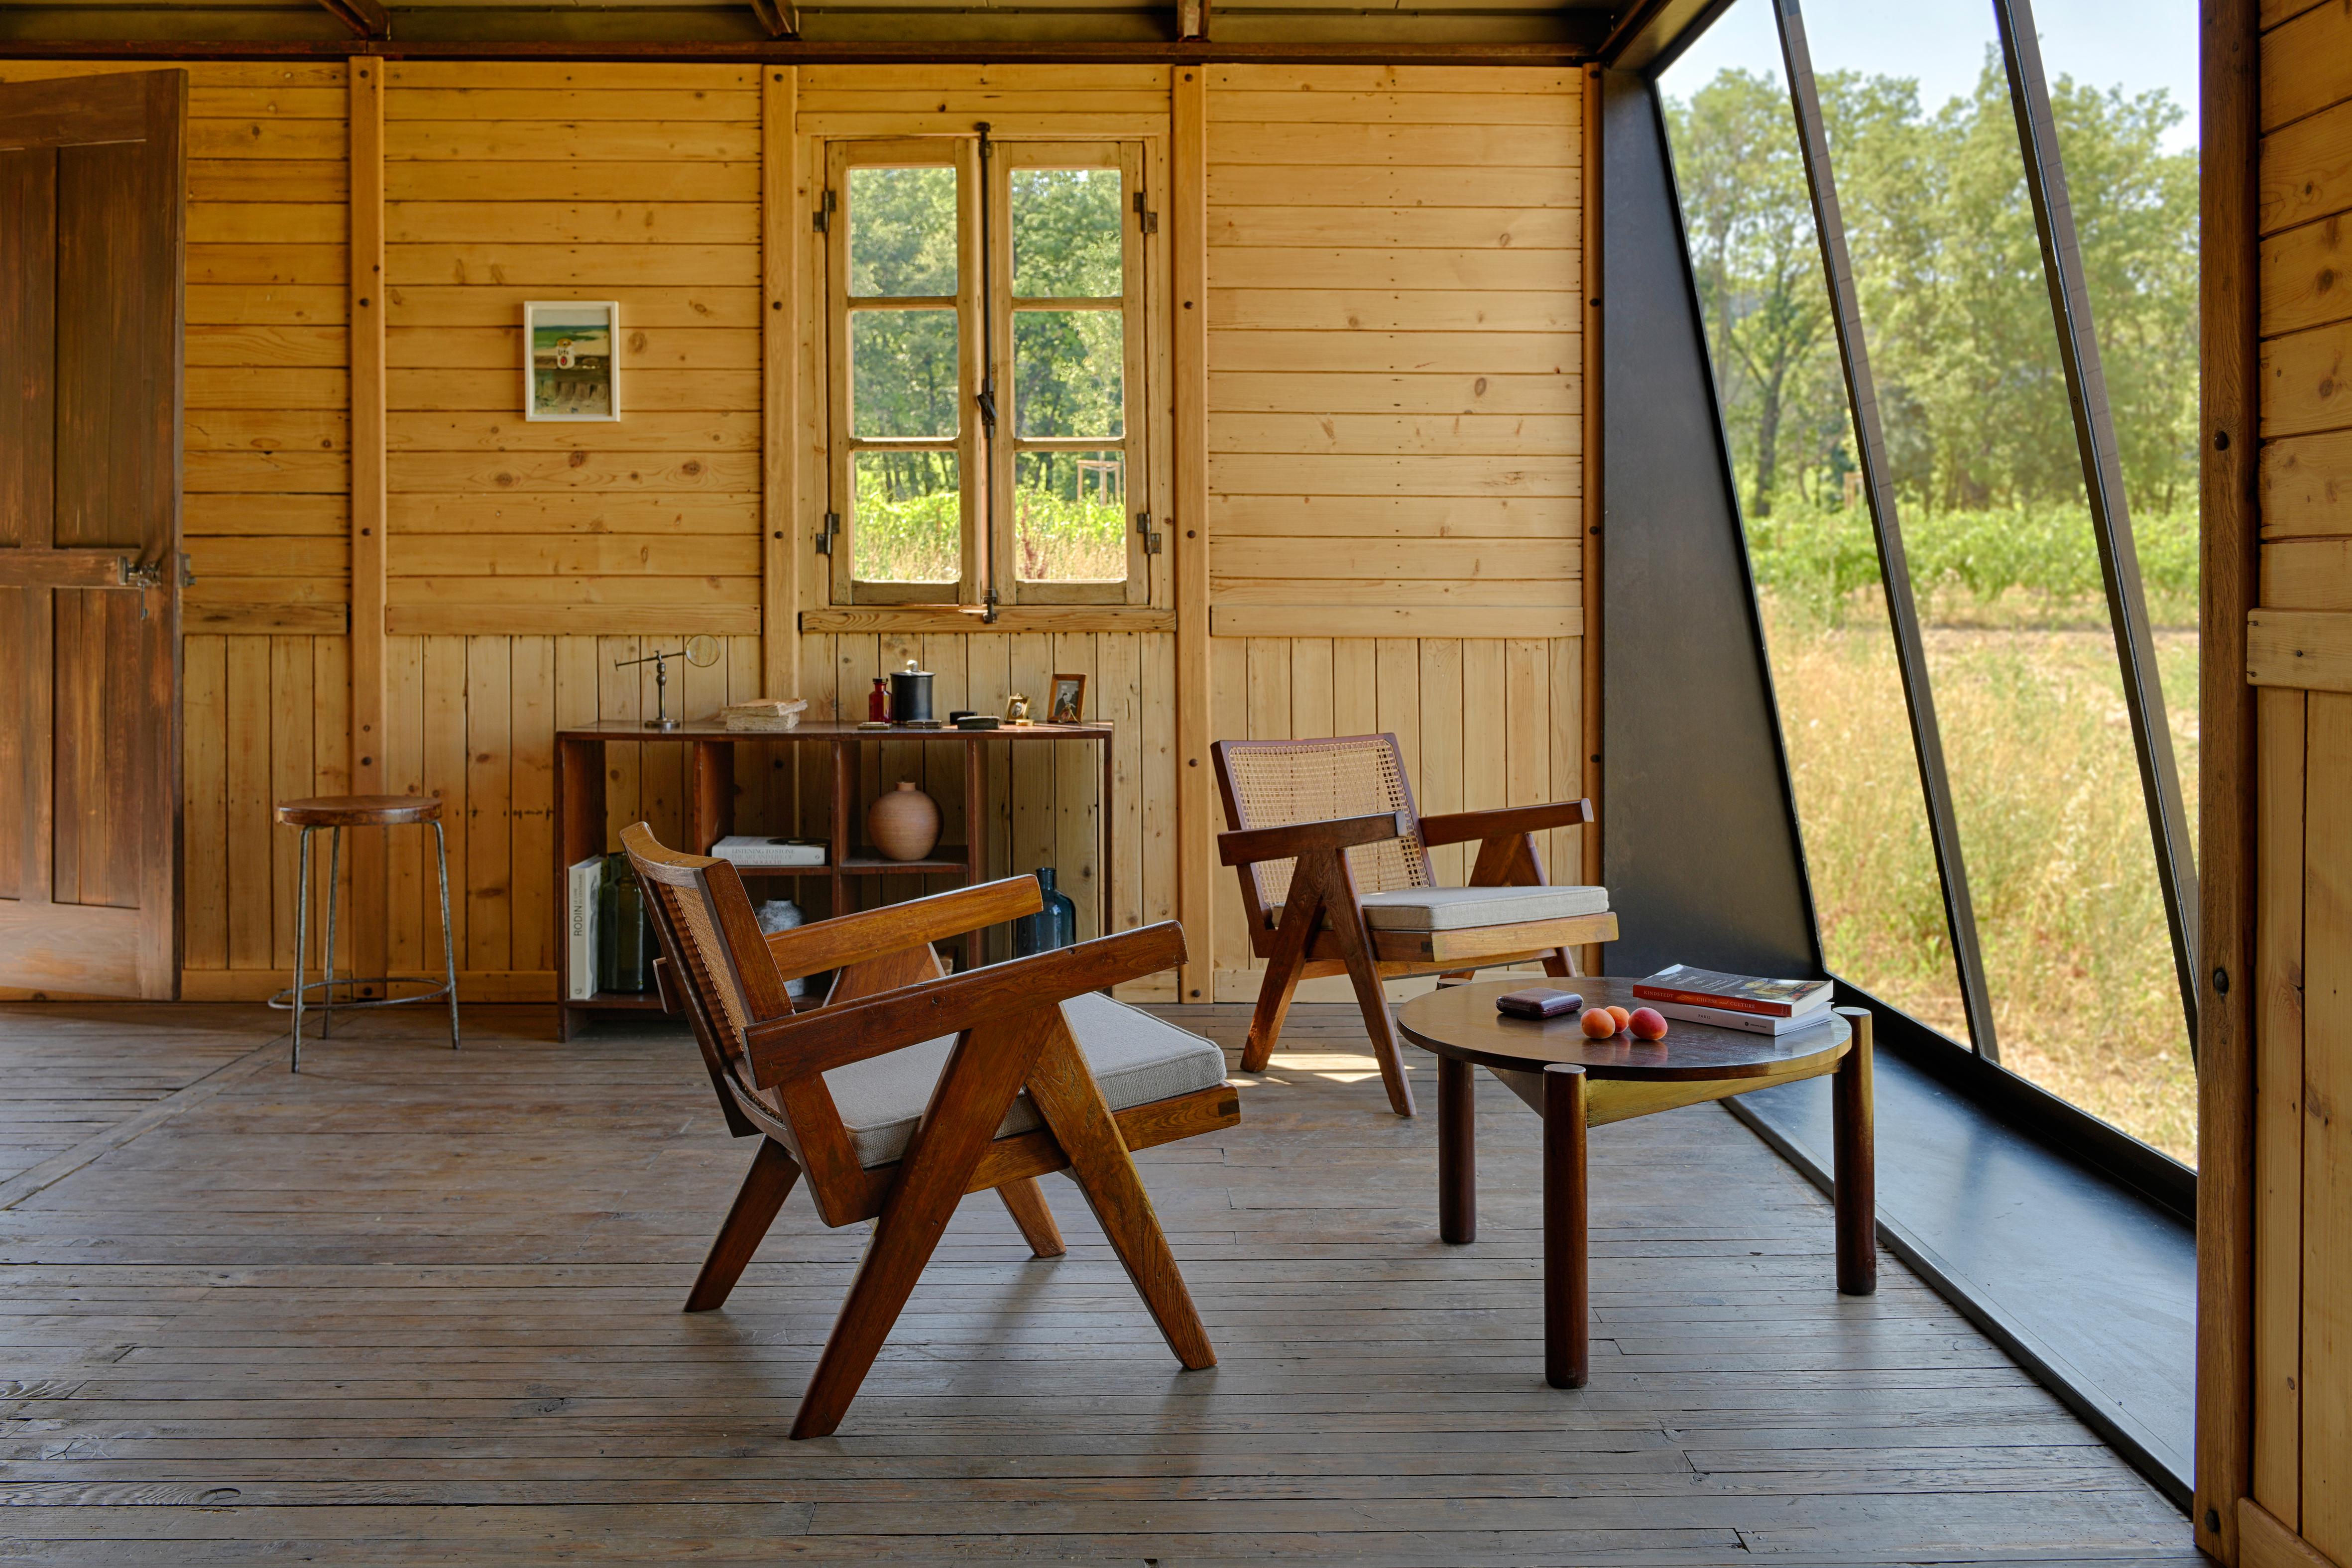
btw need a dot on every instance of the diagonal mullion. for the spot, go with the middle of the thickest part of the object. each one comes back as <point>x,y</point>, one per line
<point>1894,571</point>
<point>2095,433</point>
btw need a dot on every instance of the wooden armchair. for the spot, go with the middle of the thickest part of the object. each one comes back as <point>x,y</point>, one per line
<point>1334,863</point>
<point>908,1090</point>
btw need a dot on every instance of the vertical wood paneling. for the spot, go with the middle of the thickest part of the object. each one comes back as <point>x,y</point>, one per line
<point>2327,1383</point>
<point>488,781</point>
<point>204,781</point>
<point>2278,1111</point>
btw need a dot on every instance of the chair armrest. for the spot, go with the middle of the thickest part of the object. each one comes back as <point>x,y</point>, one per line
<point>845,938</point>
<point>819,1041</point>
<point>1505,821</point>
<point>1242,846</point>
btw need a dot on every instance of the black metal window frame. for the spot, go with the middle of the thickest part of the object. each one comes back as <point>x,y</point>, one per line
<point>2049,1115</point>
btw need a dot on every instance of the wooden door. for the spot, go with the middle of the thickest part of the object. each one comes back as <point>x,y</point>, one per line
<point>91,216</point>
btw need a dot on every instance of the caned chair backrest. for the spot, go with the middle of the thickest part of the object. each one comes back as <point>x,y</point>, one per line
<point>1274,783</point>
<point>702,919</point>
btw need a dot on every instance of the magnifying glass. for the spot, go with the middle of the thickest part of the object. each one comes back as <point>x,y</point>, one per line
<point>700,651</point>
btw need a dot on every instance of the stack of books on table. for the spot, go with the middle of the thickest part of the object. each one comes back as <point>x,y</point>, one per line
<point>1736,1001</point>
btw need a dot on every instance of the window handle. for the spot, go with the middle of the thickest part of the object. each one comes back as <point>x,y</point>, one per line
<point>987,401</point>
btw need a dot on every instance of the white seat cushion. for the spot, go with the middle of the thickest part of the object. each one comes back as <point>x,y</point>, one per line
<point>1455,908</point>
<point>1135,1056</point>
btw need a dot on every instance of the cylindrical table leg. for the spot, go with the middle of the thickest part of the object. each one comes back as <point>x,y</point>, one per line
<point>302,939</point>
<point>326,956</point>
<point>1855,1140</point>
<point>1568,1361</point>
<point>448,949</point>
<point>1457,1152</point>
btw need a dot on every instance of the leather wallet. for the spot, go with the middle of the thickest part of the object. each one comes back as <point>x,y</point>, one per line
<point>1538,1002</point>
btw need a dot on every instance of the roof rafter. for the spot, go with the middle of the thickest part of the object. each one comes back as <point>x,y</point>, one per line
<point>782,18</point>
<point>366,18</point>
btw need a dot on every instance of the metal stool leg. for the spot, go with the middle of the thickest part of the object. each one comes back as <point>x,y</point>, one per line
<point>302,939</point>
<point>448,951</point>
<point>327,959</point>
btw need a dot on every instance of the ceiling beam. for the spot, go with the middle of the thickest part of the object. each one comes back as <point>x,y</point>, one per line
<point>366,18</point>
<point>1648,35</point>
<point>782,51</point>
<point>782,18</point>
<point>1191,19</point>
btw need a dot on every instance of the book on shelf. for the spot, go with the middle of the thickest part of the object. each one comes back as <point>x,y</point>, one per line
<point>584,882</point>
<point>759,850</point>
<point>1751,1022</point>
<point>1734,992</point>
<point>764,716</point>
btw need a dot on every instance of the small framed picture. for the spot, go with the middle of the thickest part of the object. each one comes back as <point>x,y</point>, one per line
<point>1069,705</point>
<point>568,365</point>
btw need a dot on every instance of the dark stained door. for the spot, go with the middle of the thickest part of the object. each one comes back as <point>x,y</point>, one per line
<point>92,214</point>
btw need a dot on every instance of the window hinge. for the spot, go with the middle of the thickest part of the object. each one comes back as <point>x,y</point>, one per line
<point>1145,218</point>
<point>823,217</point>
<point>988,608</point>
<point>824,535</point>
<point>1153,542</point>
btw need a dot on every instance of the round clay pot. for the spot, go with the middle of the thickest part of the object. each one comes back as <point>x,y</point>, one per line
<point>905,823</point>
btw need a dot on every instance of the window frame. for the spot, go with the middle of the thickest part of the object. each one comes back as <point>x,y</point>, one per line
<point>988,515</point>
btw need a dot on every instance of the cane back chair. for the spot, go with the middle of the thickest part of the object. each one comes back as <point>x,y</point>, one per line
<point>1334,863</point>
<point>907,1089</point>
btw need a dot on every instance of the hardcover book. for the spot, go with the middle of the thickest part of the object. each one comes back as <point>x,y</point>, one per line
<point>1734,992</point>
<point>1749,1023</point>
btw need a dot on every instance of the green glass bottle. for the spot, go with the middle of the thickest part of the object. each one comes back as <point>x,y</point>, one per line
<point>625,936</point>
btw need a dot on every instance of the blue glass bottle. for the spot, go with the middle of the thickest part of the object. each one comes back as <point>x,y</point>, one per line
<point>1055,925</point>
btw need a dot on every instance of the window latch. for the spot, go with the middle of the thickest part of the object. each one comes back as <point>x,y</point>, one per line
<point>1153,541</point>
<point>824,216</point>
<point>825,536</point>
<point>1145,218</point>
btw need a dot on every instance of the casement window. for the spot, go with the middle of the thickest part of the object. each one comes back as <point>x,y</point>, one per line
<point>987,366</point>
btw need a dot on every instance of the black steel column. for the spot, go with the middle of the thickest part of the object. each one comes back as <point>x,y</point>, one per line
<point>2095,432</point>
<point>1902,610</point>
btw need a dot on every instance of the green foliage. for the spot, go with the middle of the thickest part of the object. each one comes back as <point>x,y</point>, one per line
<point>902,232</point>
<point>909,525</point>
<point>2030,563</point>
<point>1067,234</point>
<point>1948,268</point>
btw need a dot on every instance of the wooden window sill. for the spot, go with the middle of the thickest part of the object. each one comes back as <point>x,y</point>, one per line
<point>938,618</point>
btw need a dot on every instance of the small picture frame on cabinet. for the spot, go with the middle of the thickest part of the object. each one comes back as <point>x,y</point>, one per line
<point>1069,703</point>
<point>569,370</point>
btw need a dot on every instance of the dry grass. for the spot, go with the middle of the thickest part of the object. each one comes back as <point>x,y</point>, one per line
<point>2047,793</point>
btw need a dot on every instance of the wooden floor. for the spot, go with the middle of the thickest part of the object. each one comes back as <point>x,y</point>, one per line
<point>414,1308</point>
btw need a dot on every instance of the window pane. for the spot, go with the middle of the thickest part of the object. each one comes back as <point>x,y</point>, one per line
<point>1067,228</point>
<point>1852,770</point>
<point>902,232</point>
<point>908,522</point>
<point>1068,373</point>
<point>902,373</point>
<point>1070,517</point>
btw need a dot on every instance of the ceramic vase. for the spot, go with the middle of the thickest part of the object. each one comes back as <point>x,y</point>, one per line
<point>903,823</point>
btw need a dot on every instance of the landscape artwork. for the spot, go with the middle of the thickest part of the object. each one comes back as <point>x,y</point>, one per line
<point>568,369</point>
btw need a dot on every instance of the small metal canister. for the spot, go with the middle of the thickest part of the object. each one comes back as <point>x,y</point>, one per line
<point>910,695</point>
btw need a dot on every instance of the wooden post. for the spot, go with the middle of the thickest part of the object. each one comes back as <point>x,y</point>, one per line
<point>370,923</point>
<point>1457,1150</point>
<point>1567,1289</point>
<point>1187,218</point>
<point>780,541</point>
<point>1594,509</point>
<point>1854,1153</point>
<point>2228,439</point>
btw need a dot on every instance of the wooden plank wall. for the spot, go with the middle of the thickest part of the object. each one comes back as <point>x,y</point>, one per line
<point>2301,1330</point>
<point>1394,452</point>
<point>1391,466</point>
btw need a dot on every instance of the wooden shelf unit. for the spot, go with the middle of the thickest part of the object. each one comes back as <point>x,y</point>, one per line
<point>851,868</point>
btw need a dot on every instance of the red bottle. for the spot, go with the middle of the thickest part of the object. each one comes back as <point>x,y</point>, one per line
<point>878,702</point>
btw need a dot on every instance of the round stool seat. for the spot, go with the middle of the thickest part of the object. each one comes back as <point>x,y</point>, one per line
<point>359,811</point>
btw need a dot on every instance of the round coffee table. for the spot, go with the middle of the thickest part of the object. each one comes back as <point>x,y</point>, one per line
<point>1575,1083</point>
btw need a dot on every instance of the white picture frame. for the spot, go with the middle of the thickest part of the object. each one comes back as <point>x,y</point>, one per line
<point>571,366</point>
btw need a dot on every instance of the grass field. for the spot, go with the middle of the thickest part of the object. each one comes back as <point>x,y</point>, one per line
<point>2046,791</point>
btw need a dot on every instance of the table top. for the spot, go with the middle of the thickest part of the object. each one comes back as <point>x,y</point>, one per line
<point>824,730</point>
<point>1459,1021</point>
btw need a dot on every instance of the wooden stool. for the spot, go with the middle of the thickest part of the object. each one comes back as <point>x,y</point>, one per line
<point>334,813</point>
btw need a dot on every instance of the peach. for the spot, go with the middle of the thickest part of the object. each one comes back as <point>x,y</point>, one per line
<point>1622,1017</point>
<point>1647,1024</point>
<point>1597,1023</point>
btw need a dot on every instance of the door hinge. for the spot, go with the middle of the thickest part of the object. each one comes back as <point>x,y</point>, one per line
<point>825,536</point>
<point>823,216</point>
<point>1153,542</point>
<point>1145,218</point>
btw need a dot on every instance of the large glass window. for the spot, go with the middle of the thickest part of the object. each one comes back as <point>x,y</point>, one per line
<point>1989,481</point>
<point>950,303</point>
